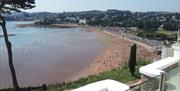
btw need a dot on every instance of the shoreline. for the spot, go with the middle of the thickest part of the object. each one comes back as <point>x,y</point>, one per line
<point>114,54</point>
<point>49,26</point>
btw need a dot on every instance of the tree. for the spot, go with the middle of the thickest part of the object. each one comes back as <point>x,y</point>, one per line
<point>8,6</point>
<point>132,59</point>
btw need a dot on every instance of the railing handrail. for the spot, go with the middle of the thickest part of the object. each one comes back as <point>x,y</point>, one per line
<point>131,87</point>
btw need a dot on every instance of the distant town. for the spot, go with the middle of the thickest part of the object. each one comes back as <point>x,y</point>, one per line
<point>151,25</point>
<point>142,20</point>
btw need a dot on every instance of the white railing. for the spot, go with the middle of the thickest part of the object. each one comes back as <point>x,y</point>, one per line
<point>105,85</point>
<point>155,69</point>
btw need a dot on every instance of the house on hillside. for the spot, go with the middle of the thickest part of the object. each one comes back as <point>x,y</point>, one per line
<point>82,21</point>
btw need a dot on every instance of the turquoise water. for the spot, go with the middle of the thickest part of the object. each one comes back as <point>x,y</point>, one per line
<point>46,55</point>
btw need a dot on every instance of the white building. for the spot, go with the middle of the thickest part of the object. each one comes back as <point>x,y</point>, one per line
<point>82,21</point>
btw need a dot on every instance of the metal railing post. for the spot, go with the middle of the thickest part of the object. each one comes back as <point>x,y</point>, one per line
<point>162,81</point>
<point>178,88</point>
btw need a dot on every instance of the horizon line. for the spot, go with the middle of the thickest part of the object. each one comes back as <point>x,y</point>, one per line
<point>102,10</point>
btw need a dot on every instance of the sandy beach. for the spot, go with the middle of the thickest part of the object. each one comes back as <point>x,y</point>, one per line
<point>114,54</point>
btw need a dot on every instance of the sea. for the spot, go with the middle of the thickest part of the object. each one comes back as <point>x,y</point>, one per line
<point>46,55</point>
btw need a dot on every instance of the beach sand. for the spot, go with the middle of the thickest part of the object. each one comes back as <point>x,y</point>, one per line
<point>114,54</point>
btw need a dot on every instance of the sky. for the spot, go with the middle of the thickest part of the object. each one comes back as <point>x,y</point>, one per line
<point>85,5</point>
